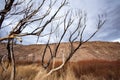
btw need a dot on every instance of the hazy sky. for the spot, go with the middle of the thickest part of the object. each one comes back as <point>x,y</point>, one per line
<point>110,31</point>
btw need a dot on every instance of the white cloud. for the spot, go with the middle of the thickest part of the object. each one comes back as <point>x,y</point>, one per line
<point>116,40</point>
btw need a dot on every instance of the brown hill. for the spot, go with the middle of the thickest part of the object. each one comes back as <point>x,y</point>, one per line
<point>109,51</point>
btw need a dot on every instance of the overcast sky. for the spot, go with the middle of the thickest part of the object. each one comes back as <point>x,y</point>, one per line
<point>110,31</point>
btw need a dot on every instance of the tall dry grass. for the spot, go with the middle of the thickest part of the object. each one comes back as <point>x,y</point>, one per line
<point>82,70</point>
<point>88,70</point>
<point>23,72</point>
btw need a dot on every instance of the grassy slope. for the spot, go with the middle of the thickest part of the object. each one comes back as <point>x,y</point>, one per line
<point>101,65</point>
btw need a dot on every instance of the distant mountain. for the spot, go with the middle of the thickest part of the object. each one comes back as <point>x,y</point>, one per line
<point>109,51</point>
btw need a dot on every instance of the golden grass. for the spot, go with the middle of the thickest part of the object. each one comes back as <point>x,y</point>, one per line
<point>23,72</point>
<point>82,70</point>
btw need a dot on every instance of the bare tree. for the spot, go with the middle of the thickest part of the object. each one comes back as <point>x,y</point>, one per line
<point>27,14</point>
<point>76,34</point>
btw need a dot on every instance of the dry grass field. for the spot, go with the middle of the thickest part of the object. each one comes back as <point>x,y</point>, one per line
<point>93,61</point>
<point>82,70</point>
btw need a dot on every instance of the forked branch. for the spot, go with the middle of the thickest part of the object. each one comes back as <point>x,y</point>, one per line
<point>55,69</point>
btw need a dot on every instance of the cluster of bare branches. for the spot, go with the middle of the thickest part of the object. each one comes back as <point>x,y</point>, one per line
<point>23,14</point>
<point>75,35</point>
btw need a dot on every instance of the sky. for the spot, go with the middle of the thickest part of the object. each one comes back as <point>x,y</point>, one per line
<point>110,30</point>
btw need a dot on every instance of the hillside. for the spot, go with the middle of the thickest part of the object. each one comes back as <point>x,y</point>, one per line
<point>109,51</point>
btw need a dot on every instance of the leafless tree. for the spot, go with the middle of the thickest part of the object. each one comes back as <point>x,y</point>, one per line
<point>27,14</point>
<point>75,35</point>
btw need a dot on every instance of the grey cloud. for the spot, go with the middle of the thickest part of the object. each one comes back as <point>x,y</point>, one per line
<point>111,29</point>
<point>112,26</point>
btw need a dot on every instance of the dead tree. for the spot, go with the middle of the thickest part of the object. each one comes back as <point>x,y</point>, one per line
<point>32,14</point>
<point>74,35</point>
